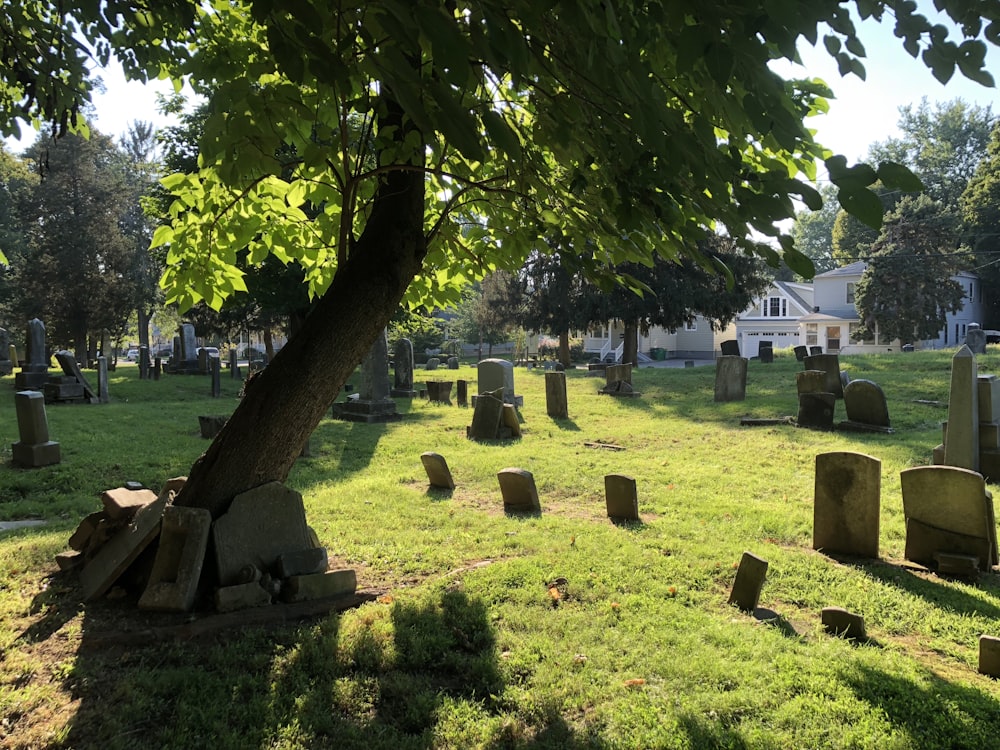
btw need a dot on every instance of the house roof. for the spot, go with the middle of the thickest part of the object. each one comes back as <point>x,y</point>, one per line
<point>792,292</point>
<point>843,314</point>
<point>853,269</point>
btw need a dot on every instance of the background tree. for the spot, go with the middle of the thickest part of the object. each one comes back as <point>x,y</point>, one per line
<point>629,129</point>
<point>907,290</point>
<point>552,297</point>
<point>813,231</point>
<point>980,206</point>
<point>17,180</point>
<point>75,272</point>
<point>488,312</point>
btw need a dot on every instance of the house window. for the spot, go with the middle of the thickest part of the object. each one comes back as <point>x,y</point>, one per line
<point>691,326</point>
<point>775,307</point>
<point>599,333</point>
<point>812,334</point>
<point>850,292</point>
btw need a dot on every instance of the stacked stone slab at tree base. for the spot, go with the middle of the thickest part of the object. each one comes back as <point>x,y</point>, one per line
<point>949,511</point>
<point>264,552</point>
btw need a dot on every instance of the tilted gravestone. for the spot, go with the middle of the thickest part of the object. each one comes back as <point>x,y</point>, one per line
<point>865,404</point>
<point>730,348</point>
<point>402,361</point>
<point>487,416</point>
<point>438,473</point>
<point>621,497</point>
<point>555,395</point>
<point>730,378</point>
<point>839,621</point>
<point>34,448</point>
<point>830,364</point>
<point>180,556</point>
<point>35,371</point>
<point>816,410</point>
<point>948,510</point>
<point>801,352</point>
<point>846,503</point>
<point>517,486</point>
<point>71,385</point>
<point>750,577</point>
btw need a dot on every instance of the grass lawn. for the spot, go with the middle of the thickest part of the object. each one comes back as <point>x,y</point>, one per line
<point>464,646</point>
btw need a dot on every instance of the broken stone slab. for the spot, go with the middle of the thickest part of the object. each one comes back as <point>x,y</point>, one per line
<point>510,419</point>
<point>438,473</point>
<point>302,562</point>
<point>121,550</point>
<point>486,416</point>
<point>69,560</point>
<point>319,585</point>
<point>120,504</point>
<point>241,596</point>
<point>838,621</point>
<point>517,486</point>
<point>173,485</point>
<point>749,581</point>
<point>959,566</point>
<point>80,538</point>
<point>260,525</point>
<point>816,410</point>
<point>180,556</point>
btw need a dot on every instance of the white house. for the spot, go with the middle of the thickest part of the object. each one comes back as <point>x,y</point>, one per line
<point>696,340</point>
<point>774,317</point>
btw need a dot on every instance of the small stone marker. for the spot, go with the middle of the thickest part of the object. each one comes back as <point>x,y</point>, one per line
<point>815,350</point>
<point>439,391</point>
<point>438,473</point>
<point>948,510</point>
<point>462,392</point>
<point>143,363</point>
<point>519,492</point>
<point>180,556</point>
<point>215,366</point>
<point>816,410</point>
<point>34,449</point>
<point>959,566</point>
<point>621,497</point>
<point>989,655</point>
<point>433,363</point>
<point>765,352</point>
<point>319,585</point>
<point>866,405</point>
<point>730,348</point>
<point>749,582</point>
<point>452,363</point>
<point>510,421</point>
<point>801,352</point>
<point>211,425</point>
<point>846,503</point>
<point>838,621</point>
<point>730,379</point>
<point>556,405</point>
<point>402,363</point>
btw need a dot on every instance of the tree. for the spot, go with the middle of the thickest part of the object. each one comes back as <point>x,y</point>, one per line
<point>17,180</point>
<point>980,206</point>
<point>906,289</point>
<point>552,297</point>
<point>488,312</point>
<point>75,273</point>
<point>627,129</point>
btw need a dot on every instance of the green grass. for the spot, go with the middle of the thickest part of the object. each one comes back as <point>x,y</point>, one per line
<point>465,647</point>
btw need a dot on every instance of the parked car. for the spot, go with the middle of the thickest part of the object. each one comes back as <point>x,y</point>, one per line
<point>213,351</point>
<point>164,352</point>
<point>133,355</point>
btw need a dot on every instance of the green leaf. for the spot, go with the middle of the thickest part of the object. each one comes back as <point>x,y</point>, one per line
<point>899,177</point>
<point>862,204</point>
<point>799,262</point>
<point>162,236</point>
<point>502,134</point>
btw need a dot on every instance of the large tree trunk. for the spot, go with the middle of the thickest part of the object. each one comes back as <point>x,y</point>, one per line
<point>630,352</point>
<point>287,399</point>
<point>564,357</point>
<point>143,315</point>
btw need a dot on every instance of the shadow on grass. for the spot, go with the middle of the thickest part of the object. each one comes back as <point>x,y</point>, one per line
<point>951,715</point>
<point>422,675</point>
<point>566,424</point>
<point>439,493</point>
<point>704,733</point>
<point>935,590</point>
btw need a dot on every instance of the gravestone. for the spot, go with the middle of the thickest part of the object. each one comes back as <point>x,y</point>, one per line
<point>810,381</point>
<point>815,350</point>
<point>143,363</point>
<point>730,378</point>
<point>204,361</point>
<point>373,403</point>
<point>621,497</point>
<point>816,410</point>
<point>487,416</point>
<point>180,556</point>
<point>433,363</point>
<point>102,380</point>
<point>948,510</point>
<point>801,352</point>
<point>438,473</point>
<point>846,503</point>
<point>234,366</point>
<point>989,655</point>
<point>975,338</point>
<point>6,364</point>
<point>106,344</point>
<point>439,391</point>
<point>517,487</point>
<point>462,392</point>
<point>556,405</point>
<point>496,374</point>
<point>618,381</point>
<point>402,361</point>
<point>185,356</point>
<point>961,447</point>
<point>830,364</point>
<point>71,385</point>
<point>730,348</point>
<point>215,365</point>
<point>452,363</point>
<point>749,581</point>
<point>13,355</point>
<point>866,406</point>
<point>35,371</point>
<point>838,621</point>
<point>765,352</point>
<point>34,448</point>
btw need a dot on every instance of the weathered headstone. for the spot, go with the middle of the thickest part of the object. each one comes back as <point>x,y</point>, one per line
<point>989,655</point>
<point>71,385</point>
<point>621,497</point>
<point>462,392</point>
<point>865,404</point>
<point>439,391</point>
<point>6,365</point>
<point>816,410</point>
<point>102,380</point>
<point>618,381</point>
<point>35,371</point>
<point>234,365</point>
<point>556,405</point>
<point>402,361</point>
<point>801,352</point>
<point>749,581</point>
<point>452,363</point>
<point>830,364</point>
<point>373,403</point>
<point>34,448</point>
<point>815,350</point>
<point>438,473</point>
<point>730,348</point>
<point>840,622</point>
<point>519,492</point>
<point>948,509</point>
<point>846,502</point>
<point>486,417</point>
<point>975,338</point>
<point>260,525</point>
<point>180,556</point>
<point>810,381</point>
<point>498,373</point>
<point>765,352</point>
<point>730,378</point>
<point>961,447</point>
<point>433,363</point>
<point>215,368</point>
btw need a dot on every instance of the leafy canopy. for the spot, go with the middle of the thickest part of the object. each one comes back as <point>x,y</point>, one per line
<point>628,129</point>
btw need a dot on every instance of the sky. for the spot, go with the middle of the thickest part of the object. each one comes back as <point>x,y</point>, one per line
<point>863,112</point>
